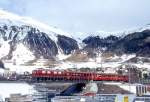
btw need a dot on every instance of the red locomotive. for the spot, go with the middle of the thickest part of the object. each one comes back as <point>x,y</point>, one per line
<point>53,75</point>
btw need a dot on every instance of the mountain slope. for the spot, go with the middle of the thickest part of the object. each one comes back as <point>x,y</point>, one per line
<point>24,39</point>
<point>40,39</point>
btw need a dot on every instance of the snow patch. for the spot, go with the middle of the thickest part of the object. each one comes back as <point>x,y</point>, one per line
<point>1,71</point>
<point>4,48</point>
<point>65,65</point>
<point>126,86</point>
<point>20,69</point>
<point>126,57</point>
<point>22,54</point>
<point>62,56</point>
<point>13,88</point>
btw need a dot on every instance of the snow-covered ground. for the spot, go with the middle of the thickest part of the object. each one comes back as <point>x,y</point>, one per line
<point>144,65</point>
<point>61,56</point>
<point>65,65</point>
<point>1,71</point>
<point>4,48</point>
<point>129,87</point>
<point>22,68</point>
<point>12,88</point>
<point>22,54</point>
<point>109,66</point>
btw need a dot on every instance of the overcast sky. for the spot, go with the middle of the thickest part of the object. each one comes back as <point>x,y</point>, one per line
<point>84,15</point>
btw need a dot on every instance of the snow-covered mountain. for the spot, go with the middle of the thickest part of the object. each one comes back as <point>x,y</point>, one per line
<point>11,19</point>
<point>103,34</point>
<point>32,38</point>
<point>24,40</point>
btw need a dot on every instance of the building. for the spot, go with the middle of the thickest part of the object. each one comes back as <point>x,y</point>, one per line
<point>142,99</point>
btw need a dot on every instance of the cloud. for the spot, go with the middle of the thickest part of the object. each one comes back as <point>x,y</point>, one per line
<point>84,15</point>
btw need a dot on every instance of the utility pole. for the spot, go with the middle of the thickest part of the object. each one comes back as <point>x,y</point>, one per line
<point>129,74</point>
<point>100,55</point>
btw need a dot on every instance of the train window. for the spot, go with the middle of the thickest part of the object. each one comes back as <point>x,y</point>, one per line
<point>55,72</point>
<point>59,72</point>
<point>48,72</point>
<point>43,71</point>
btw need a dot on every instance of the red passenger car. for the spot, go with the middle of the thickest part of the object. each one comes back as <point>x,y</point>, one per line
<point>53,75</point>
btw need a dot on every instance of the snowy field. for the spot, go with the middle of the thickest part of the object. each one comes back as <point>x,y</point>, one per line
<point>12,88</point>
<point>129,87</point>
<point>65,65</point>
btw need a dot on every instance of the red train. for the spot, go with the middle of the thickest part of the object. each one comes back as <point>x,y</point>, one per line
<point>53,75</point>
